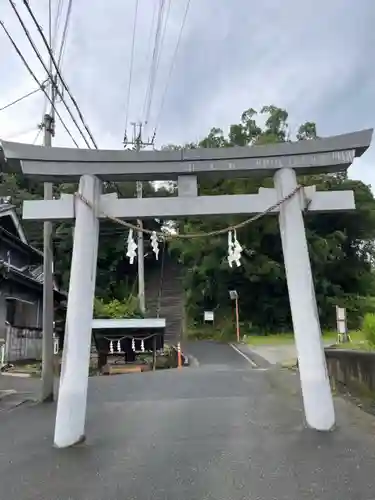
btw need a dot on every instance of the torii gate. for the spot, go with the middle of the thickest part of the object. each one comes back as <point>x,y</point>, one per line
<point>91,167</point>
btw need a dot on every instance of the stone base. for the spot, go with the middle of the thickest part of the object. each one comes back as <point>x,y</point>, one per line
<point>120,369</point>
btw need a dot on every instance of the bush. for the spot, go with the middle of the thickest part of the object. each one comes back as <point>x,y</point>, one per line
<point>368,327</point>
<point>116,309</point>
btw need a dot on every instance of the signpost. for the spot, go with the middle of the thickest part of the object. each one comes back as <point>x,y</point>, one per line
<point>208,317</point>
<point>342,330</point>
<point>234,296</point>
<point>287,200</point>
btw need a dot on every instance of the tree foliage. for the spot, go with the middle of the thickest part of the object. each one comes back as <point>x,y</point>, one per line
<point>115,277</point>
<point>340,244</point>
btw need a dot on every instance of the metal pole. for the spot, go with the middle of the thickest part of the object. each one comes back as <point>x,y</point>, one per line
<point>141,261</point>
<point>48,302</point>
<point>141,258</point>
<point>237,321</point>
<point>48,292</point>
<point>154,339</point>
<point>138,143</point>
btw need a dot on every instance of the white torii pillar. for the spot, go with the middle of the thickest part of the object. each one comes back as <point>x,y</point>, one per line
<point>316,391</point>
<point>72,398</point>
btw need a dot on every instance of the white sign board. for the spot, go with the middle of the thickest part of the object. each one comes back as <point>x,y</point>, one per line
<point>209,316</point>
<point>55,345</point>
<point>340,313</point>
<point>341,319</point>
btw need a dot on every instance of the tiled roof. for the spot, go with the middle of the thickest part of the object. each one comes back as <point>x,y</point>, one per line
<point>37,273</point>
<point>4,207</point>
<point>30,273</point>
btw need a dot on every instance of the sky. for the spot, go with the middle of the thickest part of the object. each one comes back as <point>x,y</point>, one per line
<point>314,58</point>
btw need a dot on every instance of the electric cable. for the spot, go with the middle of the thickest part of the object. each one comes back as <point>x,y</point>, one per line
<point>64,35</point>
<point>152,76</point>
<point>37,81</point>
<point>131,68</point>
<point>23,97</point>
<point>59,73</point>
<point>47,71</point>
<point>171,68</point>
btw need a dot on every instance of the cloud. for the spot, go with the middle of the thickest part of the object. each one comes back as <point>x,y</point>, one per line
<point>310,57</point>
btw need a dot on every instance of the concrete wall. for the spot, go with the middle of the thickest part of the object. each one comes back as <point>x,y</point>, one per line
<point>354,369</point>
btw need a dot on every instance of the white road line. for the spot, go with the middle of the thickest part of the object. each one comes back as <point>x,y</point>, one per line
<point>249,360</point>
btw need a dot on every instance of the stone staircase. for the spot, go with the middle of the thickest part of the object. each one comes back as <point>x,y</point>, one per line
<point>171,297</point>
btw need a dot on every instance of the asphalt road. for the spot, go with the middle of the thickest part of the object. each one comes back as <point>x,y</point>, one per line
<point>220,431</point>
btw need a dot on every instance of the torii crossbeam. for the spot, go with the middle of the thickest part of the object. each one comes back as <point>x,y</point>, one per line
<point>283,161</point>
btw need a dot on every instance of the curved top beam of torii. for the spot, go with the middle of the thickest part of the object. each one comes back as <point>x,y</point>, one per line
<point>331,154</point>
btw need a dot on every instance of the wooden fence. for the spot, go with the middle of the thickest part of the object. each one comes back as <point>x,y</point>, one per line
<point>22,344</point>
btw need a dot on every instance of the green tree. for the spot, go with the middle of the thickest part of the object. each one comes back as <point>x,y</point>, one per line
<point>115,277</point>
<point>340,244</point>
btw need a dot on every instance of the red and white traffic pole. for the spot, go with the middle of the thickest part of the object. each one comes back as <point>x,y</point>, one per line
<point>179,357</point>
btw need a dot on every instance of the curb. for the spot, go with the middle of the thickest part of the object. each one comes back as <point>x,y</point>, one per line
<point>258,360</point>
<point>11,399</point>
<point>187,359</point>
<point>236,347</point>
<point>192,360</point>
<point>16,374</point>
<point>7,392</point>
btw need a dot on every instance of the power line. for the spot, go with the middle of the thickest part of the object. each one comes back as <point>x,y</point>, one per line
<point>20,133</point>
<point>160,50</point>
<point>37,135</point>
<point>55,31</point>
<point>22,98</point>
<point>47,71</point>
<point>172,66</point>
<point>57,23</point>
<point>54,41</point>
<point>58,71</point>
<point>50,41</point>
<point>163,34</point>
<point>131,67</point>
<point>37,81</point>
<point>50,23</point>
<point>64,35</point>
<point>149,44</point>
<point>152,77</point>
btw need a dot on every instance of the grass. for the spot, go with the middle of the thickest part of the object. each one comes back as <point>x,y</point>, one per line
<point>282,339</point>
<point>226,333</point>
<point>356,346</point>
<point>275,339</point>
<point>358,340</point>
<point>358,343</point>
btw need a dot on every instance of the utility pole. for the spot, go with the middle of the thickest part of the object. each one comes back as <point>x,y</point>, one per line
<point>48,291</point>
<point>138,145</point>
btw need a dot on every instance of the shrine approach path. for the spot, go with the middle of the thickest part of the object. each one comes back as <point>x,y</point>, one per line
<point>222,430</point>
